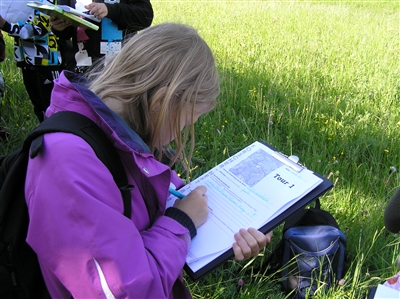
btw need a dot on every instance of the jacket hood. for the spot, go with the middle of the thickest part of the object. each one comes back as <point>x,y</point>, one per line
<point>71,94</point>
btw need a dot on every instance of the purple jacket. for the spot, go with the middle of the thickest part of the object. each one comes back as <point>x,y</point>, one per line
<point>86,247</point>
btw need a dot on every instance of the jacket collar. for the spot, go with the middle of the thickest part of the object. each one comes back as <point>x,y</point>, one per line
<point>113,120</point>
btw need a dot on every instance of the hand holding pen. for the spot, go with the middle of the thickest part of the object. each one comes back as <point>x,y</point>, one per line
<point>194,204</point>
<point>176,193</point>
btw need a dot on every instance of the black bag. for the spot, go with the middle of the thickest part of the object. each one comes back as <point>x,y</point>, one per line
<point>310,254</point>
<point>20,275</point>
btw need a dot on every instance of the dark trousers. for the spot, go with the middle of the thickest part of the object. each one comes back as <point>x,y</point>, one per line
<point>39,84</point>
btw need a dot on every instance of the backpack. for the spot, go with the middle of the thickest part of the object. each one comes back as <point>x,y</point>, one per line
<point>20,275</point>
<point>311,253</point>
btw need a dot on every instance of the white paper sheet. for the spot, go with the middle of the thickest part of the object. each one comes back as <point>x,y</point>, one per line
<point>384,292</point>
<point>14,11</point>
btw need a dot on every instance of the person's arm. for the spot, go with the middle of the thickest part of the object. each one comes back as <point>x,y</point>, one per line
<point>81,236</point>
<point>62,28</point>
<point>131,15</point>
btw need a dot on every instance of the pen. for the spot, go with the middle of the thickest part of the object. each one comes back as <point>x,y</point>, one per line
<point>176,193</point>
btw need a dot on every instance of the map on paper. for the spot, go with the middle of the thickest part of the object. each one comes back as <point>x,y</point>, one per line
<point>256,167</point>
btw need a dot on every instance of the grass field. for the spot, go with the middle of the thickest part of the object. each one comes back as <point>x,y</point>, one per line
<point>317,79</point>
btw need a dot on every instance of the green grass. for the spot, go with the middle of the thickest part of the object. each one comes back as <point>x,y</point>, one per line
<point>16,110</point>
<point>318,79</point>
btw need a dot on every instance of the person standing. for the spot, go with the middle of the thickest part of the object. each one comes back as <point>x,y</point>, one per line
<point>37,51</point>
<point>118,19</point>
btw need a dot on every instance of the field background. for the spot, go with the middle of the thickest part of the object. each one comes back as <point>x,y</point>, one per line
<point>316,79</point>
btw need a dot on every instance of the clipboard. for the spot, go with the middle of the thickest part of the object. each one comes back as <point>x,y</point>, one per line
<point>79,14</point>
<point>54,10</point>
<point>322,188</point>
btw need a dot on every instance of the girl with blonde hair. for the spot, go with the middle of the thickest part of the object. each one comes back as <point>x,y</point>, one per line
<point>150,94</point>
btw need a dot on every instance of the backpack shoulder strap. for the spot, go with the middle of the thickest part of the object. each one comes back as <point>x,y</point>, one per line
<point>80,125</point>
<point>310,216</point>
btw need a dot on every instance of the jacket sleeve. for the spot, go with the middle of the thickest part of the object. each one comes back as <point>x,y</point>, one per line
<point>31,29</point>
<point>131,15</point>
<point>84,243</point>
<point>66,34</point>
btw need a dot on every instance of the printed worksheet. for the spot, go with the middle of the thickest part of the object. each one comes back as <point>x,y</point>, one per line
<point>247,190</point>
<point>385,292</point>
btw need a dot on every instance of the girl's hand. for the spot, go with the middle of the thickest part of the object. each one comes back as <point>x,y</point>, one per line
<point>59,24</point>
<point>249,243</point>
<point>99,10</point>
<point>195,205</point>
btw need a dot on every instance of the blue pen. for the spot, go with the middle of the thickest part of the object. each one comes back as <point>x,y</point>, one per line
<point>176,193</point>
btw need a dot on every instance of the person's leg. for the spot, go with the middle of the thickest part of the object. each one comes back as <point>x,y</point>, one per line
<point>3,132</point>
<point>39,85</point>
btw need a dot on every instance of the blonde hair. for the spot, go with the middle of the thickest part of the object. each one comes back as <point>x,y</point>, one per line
<point>167,67</point>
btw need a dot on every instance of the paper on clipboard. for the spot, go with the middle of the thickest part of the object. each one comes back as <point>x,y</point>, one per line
<point>247,190</point>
